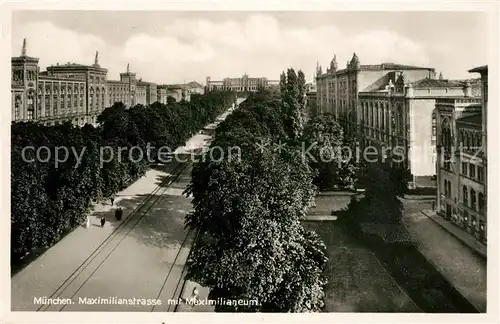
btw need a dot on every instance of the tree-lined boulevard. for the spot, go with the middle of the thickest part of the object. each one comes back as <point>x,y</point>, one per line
<point>234,224</point>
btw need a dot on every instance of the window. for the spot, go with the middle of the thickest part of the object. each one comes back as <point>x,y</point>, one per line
<point>480,202</point>
<point>433,136</point>
<point>446,188</point>
<point>473,199</point>
<point>480,174</point>
<point>47,105</point>
<point>56,106</point>
<point>464,168</point>
<point>472,170</point>
<point>465,195</point>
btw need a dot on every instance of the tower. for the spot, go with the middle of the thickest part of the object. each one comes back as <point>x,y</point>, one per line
<point>24,85</point>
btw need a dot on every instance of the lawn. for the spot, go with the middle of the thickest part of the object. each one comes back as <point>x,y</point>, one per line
<point>357,282</point>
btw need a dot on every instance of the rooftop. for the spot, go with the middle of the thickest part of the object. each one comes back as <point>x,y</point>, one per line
<point>396,66</point>
<point>483,68</point>
<point>436,83</point>
<point>475,119</point>
<point>194,84</point>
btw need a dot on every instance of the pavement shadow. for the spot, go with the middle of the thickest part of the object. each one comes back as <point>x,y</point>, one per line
<point>181,182</point>
<point>161,217</point>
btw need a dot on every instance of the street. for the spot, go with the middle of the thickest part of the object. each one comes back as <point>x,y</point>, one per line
<point>142,256</point>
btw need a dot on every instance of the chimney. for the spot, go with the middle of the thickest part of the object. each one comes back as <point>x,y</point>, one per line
<point>468,89</point>
<point>409,90</point>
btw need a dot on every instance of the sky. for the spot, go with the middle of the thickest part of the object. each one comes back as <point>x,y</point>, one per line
<point>174,47</point>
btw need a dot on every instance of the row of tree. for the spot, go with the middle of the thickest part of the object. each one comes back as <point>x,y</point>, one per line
<point>248,209</point>
<point>49,199</point>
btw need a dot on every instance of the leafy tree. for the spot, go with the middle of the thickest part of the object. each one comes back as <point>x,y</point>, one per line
<point>171,100</point>
<point>381,203</point>
<point>248,212</point>
<point>48,201</point>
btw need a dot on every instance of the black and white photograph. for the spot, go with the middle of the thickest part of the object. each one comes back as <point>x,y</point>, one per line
<point>250,161</point>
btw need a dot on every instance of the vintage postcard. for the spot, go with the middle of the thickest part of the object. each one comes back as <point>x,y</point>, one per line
<point>329,159</point>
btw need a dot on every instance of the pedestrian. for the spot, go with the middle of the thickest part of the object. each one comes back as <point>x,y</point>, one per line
<point>103,221</point>
<point>112,201</point>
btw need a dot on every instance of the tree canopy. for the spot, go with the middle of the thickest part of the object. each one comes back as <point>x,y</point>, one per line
<point>247,210</point>
<point>48,200</point>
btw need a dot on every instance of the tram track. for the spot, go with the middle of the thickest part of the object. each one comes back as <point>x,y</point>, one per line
<point>106,248</point>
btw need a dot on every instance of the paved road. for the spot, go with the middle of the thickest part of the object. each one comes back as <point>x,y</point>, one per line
<point>141,256</point>
<point>456,262</point>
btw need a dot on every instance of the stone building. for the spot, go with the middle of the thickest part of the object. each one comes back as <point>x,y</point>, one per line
<point>338,89</point>
<point>71,92</point>
<point>397,114</point>
<point>462,159</point>
<point>245,83</point>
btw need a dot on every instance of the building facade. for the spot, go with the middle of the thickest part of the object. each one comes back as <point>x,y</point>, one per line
<point>338,89</point>
<point>243,84</point>
<point>71,92</point>
<point>462,160</point>
<point>399,115</point>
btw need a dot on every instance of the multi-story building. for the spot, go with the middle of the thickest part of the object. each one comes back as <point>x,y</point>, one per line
<point>338,90</point>
<point>245,83</point>
<point>395,114</point>
<point>71,92</point>
<point>462,159</point>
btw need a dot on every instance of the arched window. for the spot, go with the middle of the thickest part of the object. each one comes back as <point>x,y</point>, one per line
<point>382,119</point>
<point>91,98</point>
<point>401,125</point>
<point>446,135</point>
<point>473,199</point>
<point>30,100</point>
<point>480,201</point>
<point>465,195</point>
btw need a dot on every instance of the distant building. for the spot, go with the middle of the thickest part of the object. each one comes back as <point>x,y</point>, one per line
<point>72,92</point>
<point>338,89</point>
<point>161,95</point>
<point>182,91</point>
<point>311,99</point>
<point>243,84</point>
<point>390,106</point>
<point>462,159</point>
<point>394,112</point>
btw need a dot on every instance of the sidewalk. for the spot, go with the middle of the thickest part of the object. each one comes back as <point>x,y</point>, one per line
<point>156,239</point>
<point>43,275</point>
<point>458,233</point>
